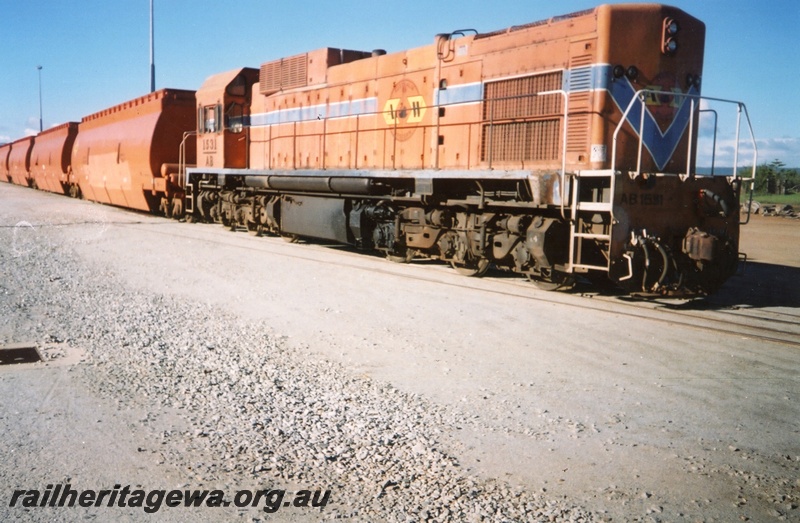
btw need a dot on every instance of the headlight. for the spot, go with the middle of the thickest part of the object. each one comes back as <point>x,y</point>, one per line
<point>669,28</point>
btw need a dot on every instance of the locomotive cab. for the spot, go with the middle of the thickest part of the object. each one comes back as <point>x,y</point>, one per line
<point>223,112</point>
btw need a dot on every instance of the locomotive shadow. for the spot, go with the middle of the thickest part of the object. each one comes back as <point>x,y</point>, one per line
<point>492,272</point>
<point>756,285</point>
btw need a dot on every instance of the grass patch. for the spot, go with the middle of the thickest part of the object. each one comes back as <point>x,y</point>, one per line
<point>777,199</point>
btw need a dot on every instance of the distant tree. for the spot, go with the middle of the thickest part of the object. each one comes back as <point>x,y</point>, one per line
<point>793,182</point>
<point>775,178</point>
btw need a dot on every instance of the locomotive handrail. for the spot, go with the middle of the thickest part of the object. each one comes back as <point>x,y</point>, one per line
<point>182,158</point>
<point>639,97</point>
<point>740,107</point>
<point>714,144</point>
<point>752,178</point>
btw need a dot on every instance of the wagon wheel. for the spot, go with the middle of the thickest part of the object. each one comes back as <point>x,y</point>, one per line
<point>401,255</point>
<point>551,280</point>
<point>473,267</point>
<point>177,208</point>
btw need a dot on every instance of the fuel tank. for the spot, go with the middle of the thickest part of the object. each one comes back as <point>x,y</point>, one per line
<point>119,153</point>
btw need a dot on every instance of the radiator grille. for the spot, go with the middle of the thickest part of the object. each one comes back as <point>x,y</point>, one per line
<point>580,85</point>
<point>520,126</point>
<point>581,60</point>
<point>516,98</point>
<point>580,79</point>
<point>286,73</point>
<point>577,133</point>
<point>521,141</point>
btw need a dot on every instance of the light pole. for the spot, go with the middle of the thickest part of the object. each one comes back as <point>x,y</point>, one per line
<point>152,52</point>
<point>41,128</point>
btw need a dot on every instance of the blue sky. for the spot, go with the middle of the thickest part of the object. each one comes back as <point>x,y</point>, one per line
<point>95,53</point>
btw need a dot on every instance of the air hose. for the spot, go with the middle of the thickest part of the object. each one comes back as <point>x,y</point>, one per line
<point>719,200</point>
<point>664,266</point>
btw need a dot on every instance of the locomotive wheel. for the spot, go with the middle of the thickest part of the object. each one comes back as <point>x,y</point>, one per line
<point>552,281</point>
<point>290,238</point>
<point>256,229</point>
<point>474,268</point>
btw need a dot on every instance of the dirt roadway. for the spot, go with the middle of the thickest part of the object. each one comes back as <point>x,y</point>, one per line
<point>632,419</point>
<point>772,240</point>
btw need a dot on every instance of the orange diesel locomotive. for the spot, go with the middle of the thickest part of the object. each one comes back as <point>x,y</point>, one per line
<point>553,149</point>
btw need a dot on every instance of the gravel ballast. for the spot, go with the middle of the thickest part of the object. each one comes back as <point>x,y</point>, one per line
<point>183,356</point>
<point>255,412</point>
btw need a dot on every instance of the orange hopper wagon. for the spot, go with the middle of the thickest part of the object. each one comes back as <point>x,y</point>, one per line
<point>51,156</point>
<point>4,152</point>
<point>19,161</point>
<point>127,155</point>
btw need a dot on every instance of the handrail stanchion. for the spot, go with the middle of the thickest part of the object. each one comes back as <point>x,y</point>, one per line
<point>738,130</point>
<point>714,140</point>
<point>691,135</point>
<point>641,134</point>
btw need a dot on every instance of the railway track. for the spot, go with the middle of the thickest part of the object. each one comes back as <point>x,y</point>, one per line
<point>735,320</point>
<point>761,324</point>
